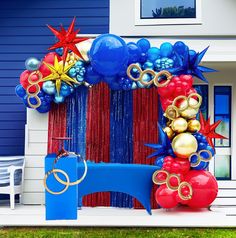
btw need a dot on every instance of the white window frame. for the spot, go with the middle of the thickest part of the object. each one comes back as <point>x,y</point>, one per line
<point>171,21</point>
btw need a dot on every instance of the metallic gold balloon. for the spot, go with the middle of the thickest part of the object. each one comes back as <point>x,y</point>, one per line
<point>170,133</point>
<point>84,47</point>
<point>194,125</point>
<point>179,125</point>
<point>189,112</point>
<point>184,145</point>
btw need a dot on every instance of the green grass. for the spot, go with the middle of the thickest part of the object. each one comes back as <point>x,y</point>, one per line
<point>117,232</point>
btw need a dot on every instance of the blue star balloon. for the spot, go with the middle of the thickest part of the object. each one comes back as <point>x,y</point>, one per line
<point>164,147</point>
<point>189,64</point>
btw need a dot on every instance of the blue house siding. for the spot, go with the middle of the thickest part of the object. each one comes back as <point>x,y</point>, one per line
<point>23,33</point>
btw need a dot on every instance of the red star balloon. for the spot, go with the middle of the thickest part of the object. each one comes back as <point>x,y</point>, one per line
<point>209,130</point>
<point>67,40</point>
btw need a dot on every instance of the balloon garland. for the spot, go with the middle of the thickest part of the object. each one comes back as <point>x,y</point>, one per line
<point>185,144</point>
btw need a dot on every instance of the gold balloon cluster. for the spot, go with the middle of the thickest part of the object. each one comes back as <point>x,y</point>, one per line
<point>182,122</point>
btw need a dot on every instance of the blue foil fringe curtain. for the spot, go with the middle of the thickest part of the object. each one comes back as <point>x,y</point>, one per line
<point>121,138</point>
<point>76,122</point>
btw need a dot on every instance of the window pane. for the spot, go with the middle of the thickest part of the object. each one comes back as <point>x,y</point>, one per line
<point>223,129</point>
<point>222,166</point>
<point>222,109</point>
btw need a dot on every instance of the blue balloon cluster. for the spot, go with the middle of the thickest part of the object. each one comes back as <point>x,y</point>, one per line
<point>78,71</point>
<point>202,145</point>
<point>44,98</point>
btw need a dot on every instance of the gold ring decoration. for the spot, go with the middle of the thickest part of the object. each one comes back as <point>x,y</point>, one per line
<point>37,89</point>
<point>77,181</point>
<point>172,112</point>
<point>199,97</point>
<point>200,158</point>
<point>54,171</point>
<point>189,196</point>
<point>155,79</point>
<point>154,177</point>
<point>177,188</point>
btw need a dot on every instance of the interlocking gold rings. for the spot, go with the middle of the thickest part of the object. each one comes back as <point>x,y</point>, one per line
<point>167,181</point>
<point>154,80</point>
<point>173,111</point>
<point>200,157</point>
<point>37,89</point>
<point>67,183</point>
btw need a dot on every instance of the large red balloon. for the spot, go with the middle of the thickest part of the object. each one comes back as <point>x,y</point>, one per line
<point>165,197</point>
<point>205,188</point>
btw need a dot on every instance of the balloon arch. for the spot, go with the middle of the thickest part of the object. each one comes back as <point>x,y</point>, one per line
<point>185,144</point>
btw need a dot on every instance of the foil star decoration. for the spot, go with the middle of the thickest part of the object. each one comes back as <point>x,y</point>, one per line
<point>67,40</point>
<point>164,147</point>
<point>208,130</point>
<point>59,74</point>
<point>190,65</point>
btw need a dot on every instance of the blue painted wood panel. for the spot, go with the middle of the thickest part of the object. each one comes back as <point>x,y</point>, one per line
<point>23,33</point>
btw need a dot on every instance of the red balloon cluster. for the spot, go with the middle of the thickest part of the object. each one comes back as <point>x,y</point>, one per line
<point>24,77</point>
<point>203,184</point>
<point>179,85</point>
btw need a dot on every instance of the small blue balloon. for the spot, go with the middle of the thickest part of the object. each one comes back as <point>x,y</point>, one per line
<point>79,78</point>
<point>49,87</point>
<point>59,51</point>
<point>166,49</point>
<point>32,64</point>
<point>65,90</point>
<point>44,107</point>
<point>153,54</point>
<point>20,91</point>
<point>179,47</point>
<point>72,72</point>
<point>202,146</point>
<point>148,65</point>
<point>144,45</point>
<point>134,52</point>
<point>192,53</point>
<point>145,78</point>
<point>58,99</point>
<point>108,54</point>
<point>159,162</point>
<point>91,76</point>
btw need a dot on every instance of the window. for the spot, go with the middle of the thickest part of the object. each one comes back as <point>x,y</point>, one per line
<point>222,111</point>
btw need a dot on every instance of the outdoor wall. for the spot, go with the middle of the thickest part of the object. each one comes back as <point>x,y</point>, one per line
<point>218,19</point>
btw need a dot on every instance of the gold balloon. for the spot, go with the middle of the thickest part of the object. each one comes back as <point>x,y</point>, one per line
<point>84,47</point>
<point>170,133</point>
<point>194,125</point>
<point>184,145</point>
<point>179,125</point>
<point>189,112</point>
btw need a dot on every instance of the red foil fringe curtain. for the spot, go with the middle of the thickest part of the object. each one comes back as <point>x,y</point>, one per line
<point>145,130</point>
<point>56,126</point>
<point>98,136</point>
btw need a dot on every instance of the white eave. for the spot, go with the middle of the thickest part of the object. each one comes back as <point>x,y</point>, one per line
<point>222,49</point>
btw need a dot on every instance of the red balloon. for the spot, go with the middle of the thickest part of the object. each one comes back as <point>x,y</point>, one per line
<point>48,58</point>
<point>25,82</point>
<point>165,197</point>
<point>205,188</point>
<point>184,165</point>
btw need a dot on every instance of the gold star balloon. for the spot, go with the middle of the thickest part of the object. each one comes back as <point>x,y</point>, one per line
<point>59,74</point>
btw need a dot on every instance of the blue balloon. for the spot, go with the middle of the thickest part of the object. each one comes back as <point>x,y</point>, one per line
<point>153,54</point>
<point>72,72</point>
<point>192,53</point>
<point>44,107</point>
<point>58,99</point>
<point>144,45</point>
<point>65,90</point>
<point>91,76</point>
<point>166,49</point>
<point>179,47</point>
<point>49,87</point>
<point>159,162</point>
<point>32,64</point>
<point>108,54</point>
<point>148,65</point>
<point>20,91</point>
<point>134,52</point>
